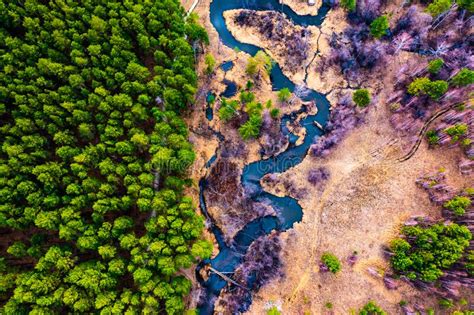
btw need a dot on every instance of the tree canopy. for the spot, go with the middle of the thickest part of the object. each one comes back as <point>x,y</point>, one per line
<point>361,97</point>
<point>332,262</point>
<point>379,26</point>
<point>93,156</point>
<point>427,251</point>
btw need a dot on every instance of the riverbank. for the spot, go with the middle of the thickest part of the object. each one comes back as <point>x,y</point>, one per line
<point>202,129</point>
<point>291,46</point>
<point>367,196</point>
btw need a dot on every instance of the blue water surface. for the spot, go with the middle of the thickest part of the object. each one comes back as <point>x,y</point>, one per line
<point>288,210</point>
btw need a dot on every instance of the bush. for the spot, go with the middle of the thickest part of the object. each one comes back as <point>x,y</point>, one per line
<point>246,97</point>
<point>438,6</point>
<point>228,109</point>
<point>427,251</point>
<point>273,311</point>
<point>332,262</point>
<point>274,113</point>
<point>435,65</point>
<point>284,95</point>
<point>260,64</point>
<point>432,137</point>
<point>210,62</point>
<point>251,129</point>
<point>446,303</point>
<point>361,97</point>
<point>458,205</point>
<point>379,26</point>
<point>349,5</point>
<point>463,77</point>
<point>470,262</point>
<point>457,131</point>
<point>466,4</point>
<point>434,89</point>
<point>371,309</point>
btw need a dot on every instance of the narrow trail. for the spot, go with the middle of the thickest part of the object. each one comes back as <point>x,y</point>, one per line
<point>423,131</point>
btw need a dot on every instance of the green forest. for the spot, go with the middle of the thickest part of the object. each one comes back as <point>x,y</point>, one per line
<point>94,153</point>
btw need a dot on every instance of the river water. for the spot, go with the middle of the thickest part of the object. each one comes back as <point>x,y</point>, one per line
<point>288,210</point>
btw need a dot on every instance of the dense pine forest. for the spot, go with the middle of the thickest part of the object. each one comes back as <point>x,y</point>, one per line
<point>93,156</point>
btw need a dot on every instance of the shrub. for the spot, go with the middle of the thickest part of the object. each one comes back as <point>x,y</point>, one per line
<point>434,89</point>
<point>361,97</point>
<point>438,6</point>
<point>273,311</point>
<point>466,4</point>
<point>228,109</point>
<point>371,309</point>
<point>259,64</point>
<point>284,95</point>
<point>463,77</point>
<point>246,97</point>
<point>446,303</point>
<point>435,65</point>
<point>210,62</point>
<point>379,26</point>
<point>458,205</point>
<point>251,129</point>
<point>332,262</point>
<point>470,262</point>
<point>349,5</point>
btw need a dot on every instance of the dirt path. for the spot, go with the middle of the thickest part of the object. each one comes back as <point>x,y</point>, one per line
<point>423,131</point>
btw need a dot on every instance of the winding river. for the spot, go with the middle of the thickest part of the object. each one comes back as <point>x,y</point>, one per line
<point>288,210</point>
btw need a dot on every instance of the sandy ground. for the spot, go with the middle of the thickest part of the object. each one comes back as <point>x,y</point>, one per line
<point>302,7</point>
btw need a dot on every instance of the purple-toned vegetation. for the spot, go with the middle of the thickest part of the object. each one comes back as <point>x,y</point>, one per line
<point>368,10</point>
<point>271,138</point>
<point>411,29</point>
<point>354,52</point>
<point>233,149</point>
<point>318,175</point>
<point>435,185</point>
<point>261,263</point>
<point>235,208</point>
<point>344,117</point>
<point>352,259</point>
<point>275,27</point>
